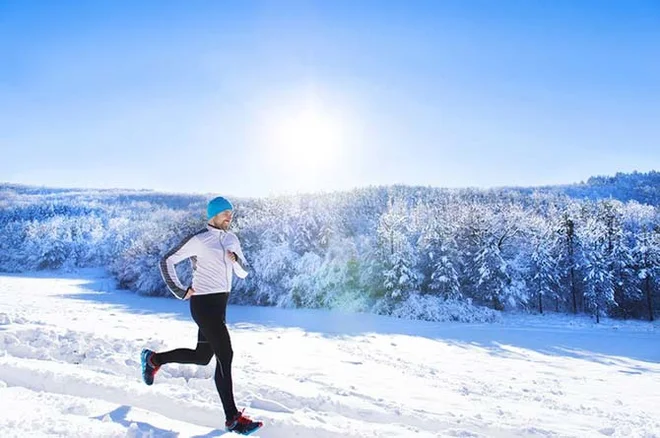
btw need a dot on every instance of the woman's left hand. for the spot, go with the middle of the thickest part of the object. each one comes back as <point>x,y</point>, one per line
<point>232,256</point>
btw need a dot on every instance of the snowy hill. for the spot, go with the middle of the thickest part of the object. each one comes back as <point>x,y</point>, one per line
<point>69,352</point>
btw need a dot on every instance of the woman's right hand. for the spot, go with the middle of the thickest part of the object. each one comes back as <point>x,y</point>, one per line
<point>189,293</point>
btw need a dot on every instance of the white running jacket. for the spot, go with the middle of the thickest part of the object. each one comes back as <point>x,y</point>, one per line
<point>212,266</point>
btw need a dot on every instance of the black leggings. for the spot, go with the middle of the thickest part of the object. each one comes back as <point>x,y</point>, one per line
<point>209,311</point>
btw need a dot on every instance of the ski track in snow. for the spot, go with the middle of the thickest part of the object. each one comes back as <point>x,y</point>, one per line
<point>69,366</point>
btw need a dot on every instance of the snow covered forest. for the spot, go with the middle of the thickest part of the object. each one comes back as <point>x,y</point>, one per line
<point>411,252</point>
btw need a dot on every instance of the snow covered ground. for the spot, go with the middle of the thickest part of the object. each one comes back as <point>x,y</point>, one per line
<point>69,366</point>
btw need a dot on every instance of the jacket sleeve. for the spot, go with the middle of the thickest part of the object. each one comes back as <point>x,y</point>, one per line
<point>240,265</point>
<point>184,250</point>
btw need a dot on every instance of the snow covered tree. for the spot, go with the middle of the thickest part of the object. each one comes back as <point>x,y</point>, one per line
<point>488,236</point>
<point>345,275</point>
<point>471,229</point>
<point>543,259</point>
<point>444,277</point>
<point>304,231</point>
<point>648,259</point>
<point>618,254</point>
<point>273,270</point>
<point>644,223</point>
<point>598,279</point>
<point>48,244</point>
<point>570,254</point>
<point>493,275</point>
<point>397,254</point>
<point>304,287</point>
<point>13,237</point>
<point>438,253</point>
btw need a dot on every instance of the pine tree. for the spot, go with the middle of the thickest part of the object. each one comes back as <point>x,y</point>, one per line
<point>438,253</point>
<point>444,278</point>
<point>644,222</point>
<point>598,280</point>
<point>489,235</point>
<point>396,253</point>
<point>545,274</point>
<point>493,274</point>
<point>618,254</point>
<point>570,255</point>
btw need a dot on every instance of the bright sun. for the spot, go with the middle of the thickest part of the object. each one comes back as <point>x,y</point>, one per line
<point>305,141</point>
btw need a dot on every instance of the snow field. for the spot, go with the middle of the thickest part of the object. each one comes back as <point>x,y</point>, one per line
<point>69,366</point>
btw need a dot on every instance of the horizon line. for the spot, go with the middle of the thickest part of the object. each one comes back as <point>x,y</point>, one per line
<point>370,186</point>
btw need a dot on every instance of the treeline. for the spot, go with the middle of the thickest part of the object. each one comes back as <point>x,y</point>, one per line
<point>405,251</point>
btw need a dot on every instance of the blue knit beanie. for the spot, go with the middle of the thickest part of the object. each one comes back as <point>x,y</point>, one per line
<point>217,205</point>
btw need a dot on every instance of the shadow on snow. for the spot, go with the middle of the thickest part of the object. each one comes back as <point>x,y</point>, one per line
<point>606,346</point>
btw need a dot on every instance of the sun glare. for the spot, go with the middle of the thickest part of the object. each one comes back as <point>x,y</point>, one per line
<point>305,141</point>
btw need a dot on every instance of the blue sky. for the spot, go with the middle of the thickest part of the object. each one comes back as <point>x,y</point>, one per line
<point>227,96</point>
